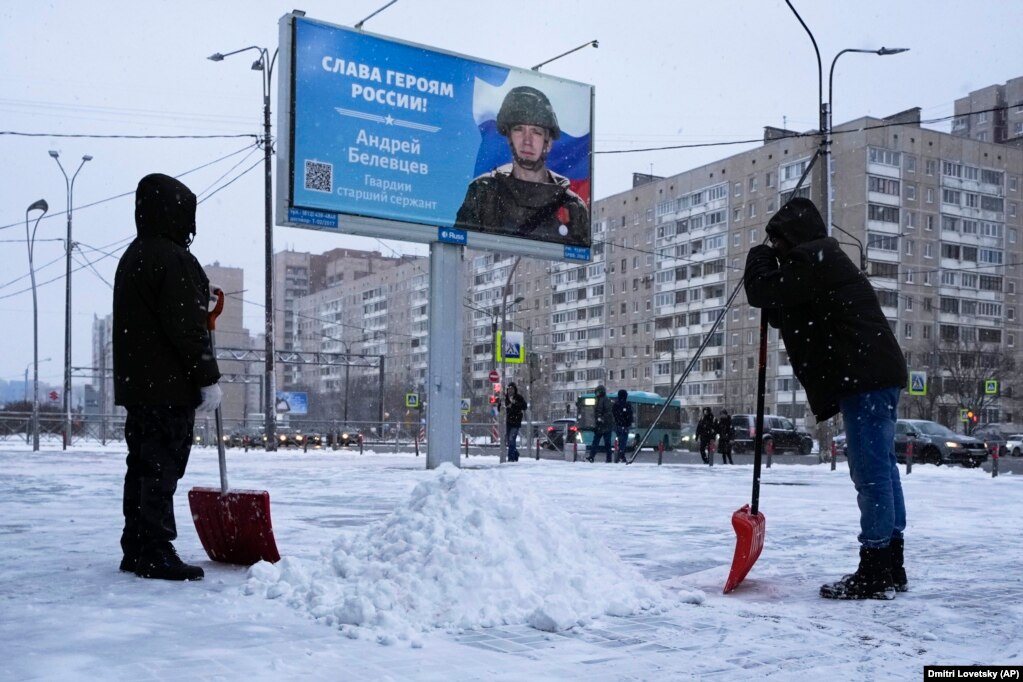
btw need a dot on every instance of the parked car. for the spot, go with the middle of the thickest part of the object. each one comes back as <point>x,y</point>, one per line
<point>780,433</point>
<point>688,440</point>
<point>934,443</point>
<point>994,437</point>
<point>839,446</point>
<point>1014,445</point>
<point>559,432</point>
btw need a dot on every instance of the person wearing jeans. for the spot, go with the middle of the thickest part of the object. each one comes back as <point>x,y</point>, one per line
<point>515,407</point>
<point>870,435</point>
<point>842,350</point>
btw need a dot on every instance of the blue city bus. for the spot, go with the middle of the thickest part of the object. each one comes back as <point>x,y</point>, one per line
<point>645,408</point>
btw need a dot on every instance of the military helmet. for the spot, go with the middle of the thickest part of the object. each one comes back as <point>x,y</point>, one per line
<point>526,105</point>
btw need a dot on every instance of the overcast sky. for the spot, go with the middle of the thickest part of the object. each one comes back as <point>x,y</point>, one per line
<point>666,73</point>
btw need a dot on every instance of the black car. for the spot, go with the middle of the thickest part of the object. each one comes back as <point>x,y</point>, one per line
<point>934,443</point>
<point>995,438</point>
<point>780,434</point>
<point>559,432</point>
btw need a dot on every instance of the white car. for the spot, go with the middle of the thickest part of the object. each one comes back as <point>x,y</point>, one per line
<point>1014,445</point>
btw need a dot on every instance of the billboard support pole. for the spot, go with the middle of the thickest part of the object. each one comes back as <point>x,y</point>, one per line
<point>444,382</point>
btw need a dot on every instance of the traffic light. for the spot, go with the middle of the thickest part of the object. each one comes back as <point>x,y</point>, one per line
<point>972,416</point>
<point>493,399</point>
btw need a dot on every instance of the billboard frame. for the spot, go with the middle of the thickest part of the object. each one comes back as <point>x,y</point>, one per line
<point>288,213</point>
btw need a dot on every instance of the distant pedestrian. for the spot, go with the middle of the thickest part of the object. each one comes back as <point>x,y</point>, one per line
<point>515,407</point>
<point>623,422</point>
<point>705,434</point>
<point>164,370</point>
<point>724,429</point>
<point>603,423</point>
<point>843,351</point>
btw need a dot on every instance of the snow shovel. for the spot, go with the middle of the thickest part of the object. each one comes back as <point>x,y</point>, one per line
<point>233,525</point>
<point>748,522</point>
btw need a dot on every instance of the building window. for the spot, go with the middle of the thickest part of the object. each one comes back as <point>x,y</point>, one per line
<point>930,195</point>
<point>910,192</point>
<point>930,166</point>
<point>907,331</point>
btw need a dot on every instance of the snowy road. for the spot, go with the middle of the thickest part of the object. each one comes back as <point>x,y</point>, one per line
<point>68,614</point>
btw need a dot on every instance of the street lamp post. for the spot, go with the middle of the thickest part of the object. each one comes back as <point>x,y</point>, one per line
<point>826,112</point>
<point>588,43</point>
<point>40,205</point>
<point>265,64</point>
<point>69,185</point>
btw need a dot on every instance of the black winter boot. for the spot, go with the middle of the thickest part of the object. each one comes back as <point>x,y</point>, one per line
<point>872,580</point>
<point>898,569</point>
<point>164,564</point>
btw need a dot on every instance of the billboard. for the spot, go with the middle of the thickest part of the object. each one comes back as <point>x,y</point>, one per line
<point>388,139</point>
<point>292,402</point>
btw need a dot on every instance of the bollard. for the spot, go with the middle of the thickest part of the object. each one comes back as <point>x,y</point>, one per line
<point>362,442</point>
<point>416,441</point>
<point>909,457</point>
<point>994,462</point>
<point>660,453</point>
<point>536,443</point>
<point>575,452</point>
<point>770,452</point>
<point>465,442</point>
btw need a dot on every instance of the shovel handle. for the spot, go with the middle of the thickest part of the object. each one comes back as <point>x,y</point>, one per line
<point>211,317</point>
<point>758,442</point>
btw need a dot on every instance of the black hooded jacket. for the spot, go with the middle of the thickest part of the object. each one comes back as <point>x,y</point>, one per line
<point>161,346</point>
<point>838,340</point>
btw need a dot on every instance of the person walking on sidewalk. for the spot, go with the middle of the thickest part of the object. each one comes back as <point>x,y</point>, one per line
<point>842,350</point>
<point>623,422</point>
<point>515,407</point>
<point>603,423</point>
<point>164,369</point>
<point>724,429</point>
<point>705,434</point>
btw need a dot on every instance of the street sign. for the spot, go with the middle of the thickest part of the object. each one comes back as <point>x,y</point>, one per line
<point>511,347</point>
<point>54,396</point>
<point>494,376</point>
<point>964,414</point>
<point>466,405</point>
<point>917,383</point>
<point>991,387</point>
<point>411,400</point>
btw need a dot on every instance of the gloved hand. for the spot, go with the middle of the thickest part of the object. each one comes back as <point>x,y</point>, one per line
<point>211,397</point>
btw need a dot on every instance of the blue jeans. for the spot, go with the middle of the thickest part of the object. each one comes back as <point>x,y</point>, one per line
<point>870,436</point>
<point>597,437</point>
<point>623,440</point>
<point>511,435</point>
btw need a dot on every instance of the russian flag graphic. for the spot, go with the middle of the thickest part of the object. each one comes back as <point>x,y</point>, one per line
<point>570,154</point>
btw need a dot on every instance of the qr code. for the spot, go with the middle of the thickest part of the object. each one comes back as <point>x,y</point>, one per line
<point>319,176</point>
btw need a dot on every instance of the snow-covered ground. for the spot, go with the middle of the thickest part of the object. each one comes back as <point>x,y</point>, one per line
<point>538,570</point>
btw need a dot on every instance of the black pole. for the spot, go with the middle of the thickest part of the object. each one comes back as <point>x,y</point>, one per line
<point>758,442</point>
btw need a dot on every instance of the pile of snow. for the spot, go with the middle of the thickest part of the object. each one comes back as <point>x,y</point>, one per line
<point>465,551</point>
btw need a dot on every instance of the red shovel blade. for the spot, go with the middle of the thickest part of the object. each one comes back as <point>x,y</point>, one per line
<point>234,527</point>
<point>749,542</point>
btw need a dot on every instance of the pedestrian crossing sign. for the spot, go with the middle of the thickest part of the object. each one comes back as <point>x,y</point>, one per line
<point>991,387</point>
<point>917,383</point>
<point>411,400</point>
<point>511,347</point>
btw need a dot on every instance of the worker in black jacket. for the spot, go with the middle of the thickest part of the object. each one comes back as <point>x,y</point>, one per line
<point>842,350</point>
<point>164,369</point>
